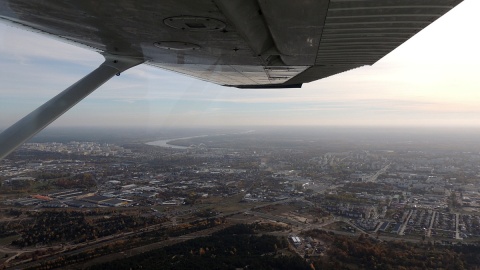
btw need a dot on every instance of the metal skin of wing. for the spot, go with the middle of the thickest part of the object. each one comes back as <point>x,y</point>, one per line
<point>240,43</point>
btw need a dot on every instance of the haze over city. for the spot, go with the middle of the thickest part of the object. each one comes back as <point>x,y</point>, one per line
<point>374,168</point>
<point>431,80</point>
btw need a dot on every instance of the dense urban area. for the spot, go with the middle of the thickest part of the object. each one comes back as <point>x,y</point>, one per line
<point>244,200</point>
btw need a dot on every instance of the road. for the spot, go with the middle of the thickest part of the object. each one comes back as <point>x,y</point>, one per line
<point>71,249</point>
<point>374,177</point>
<point>432,221</point>
<point>146,248</point>
<point>457,233</point>
<point>127,253</point>
<point>68,250</point>
<point>405,223</point>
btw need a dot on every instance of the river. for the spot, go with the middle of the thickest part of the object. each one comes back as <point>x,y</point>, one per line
<point>166,143</point>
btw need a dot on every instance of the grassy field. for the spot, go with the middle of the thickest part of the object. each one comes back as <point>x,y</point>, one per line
<point>337,226</point>
<point>7,240</point>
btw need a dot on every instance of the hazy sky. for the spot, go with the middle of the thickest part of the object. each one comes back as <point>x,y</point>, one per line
<point>431,80</point>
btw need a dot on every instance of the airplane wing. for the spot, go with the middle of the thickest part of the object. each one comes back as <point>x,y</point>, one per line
<point>240,43</point>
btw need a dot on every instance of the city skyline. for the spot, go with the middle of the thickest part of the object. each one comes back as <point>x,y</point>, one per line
<point>430,80</point>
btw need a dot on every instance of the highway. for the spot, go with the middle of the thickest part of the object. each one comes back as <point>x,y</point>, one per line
<point>405,223</point>
<point>374,177</point>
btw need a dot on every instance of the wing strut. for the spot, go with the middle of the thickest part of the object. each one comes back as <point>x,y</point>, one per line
<point>37,120</point>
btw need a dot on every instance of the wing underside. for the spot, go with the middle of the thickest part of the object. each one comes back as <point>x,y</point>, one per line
<point>241,43</point>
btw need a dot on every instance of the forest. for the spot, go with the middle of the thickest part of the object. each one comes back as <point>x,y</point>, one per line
<point>366,252</point>
<point>234,247</point>
<point>75,226</point>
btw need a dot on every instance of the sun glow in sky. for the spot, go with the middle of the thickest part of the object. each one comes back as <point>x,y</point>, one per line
<point>431,80</point>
